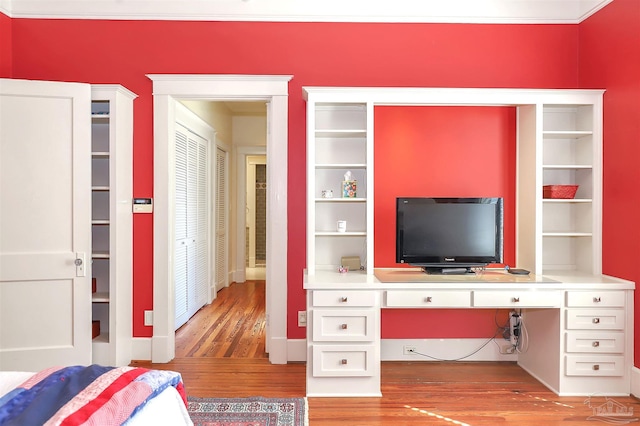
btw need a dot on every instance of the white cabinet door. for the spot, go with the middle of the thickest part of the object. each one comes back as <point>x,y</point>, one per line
<point>45,223</point>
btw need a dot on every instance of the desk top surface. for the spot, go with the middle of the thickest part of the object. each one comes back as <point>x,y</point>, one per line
<point>412,278</point>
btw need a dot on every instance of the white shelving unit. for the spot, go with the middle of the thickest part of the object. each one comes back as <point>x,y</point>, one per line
<point>340,140</point>
<point>112,191</point>
<point>559,142</point>
<point>572,155</point>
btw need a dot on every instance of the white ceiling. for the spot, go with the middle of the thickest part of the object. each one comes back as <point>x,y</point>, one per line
<point>454,11</point>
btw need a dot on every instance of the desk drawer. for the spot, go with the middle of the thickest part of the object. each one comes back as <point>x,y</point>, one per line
<point>595,299</point>
<point>343,361</point>
<point>343,325</point>
<point>595,341</point>
<point>344,298</point>
<point>517,299</point>
<point>595,319</point>
<point>596,365</point>
<point>428,299</point>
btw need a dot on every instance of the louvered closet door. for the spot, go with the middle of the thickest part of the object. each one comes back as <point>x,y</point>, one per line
<point>221,219</point>
<point>191,198</point>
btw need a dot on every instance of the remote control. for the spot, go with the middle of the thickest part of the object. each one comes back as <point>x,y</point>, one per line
<point>517,271</point>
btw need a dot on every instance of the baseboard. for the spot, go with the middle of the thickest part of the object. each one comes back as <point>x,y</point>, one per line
<point>392,350</point>
<point>141,348</point>
<point>445,349</point>
<point>431,350</point>
<point>296,350</point>
<point>635,381</point>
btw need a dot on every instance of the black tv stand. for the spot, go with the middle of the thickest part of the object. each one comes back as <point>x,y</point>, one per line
<point>448,270</point>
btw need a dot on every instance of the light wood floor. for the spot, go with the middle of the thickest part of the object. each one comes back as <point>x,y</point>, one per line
<point>414,393</point>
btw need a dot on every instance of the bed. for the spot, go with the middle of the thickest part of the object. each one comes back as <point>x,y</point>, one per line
<point>93,394</point>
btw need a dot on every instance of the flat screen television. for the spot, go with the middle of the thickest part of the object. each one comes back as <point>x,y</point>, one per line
<point>449,235</point>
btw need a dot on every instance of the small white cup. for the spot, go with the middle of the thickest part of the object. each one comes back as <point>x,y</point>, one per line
<point>327,193</point>
<point>342,226</point>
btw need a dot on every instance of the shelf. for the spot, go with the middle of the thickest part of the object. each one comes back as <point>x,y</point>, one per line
<point>100,188</point>
<point>566,200</point>
<point>100,115</point>
<point>567,234</point>
<point>100,154</point>
<point>328,133</point>
<point>100,297</point>
<point>100,222</point>
<point>341,200</point>
<point>100,255</point>
<point>340,234</point>
<point>102,338</point>
<point>341,166</point>
<point>567,166</point>
<point>566,134</point>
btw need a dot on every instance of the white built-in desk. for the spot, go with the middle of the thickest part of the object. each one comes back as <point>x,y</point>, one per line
<point>579,327</point>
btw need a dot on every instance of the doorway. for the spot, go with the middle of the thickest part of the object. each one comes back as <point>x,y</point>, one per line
<point>274,91</point>
<point>256,217</point>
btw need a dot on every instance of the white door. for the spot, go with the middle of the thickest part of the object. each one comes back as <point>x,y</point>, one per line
<point>45,223</point>
<point>191,245</point>
<point>221,270</point>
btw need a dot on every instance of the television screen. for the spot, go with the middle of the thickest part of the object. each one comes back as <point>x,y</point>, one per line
<point>445,233</point>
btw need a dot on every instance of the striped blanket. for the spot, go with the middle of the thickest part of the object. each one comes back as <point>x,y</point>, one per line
<point>93,395</point>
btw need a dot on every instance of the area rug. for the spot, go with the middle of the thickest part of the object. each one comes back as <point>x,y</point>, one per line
<point>254,411</point>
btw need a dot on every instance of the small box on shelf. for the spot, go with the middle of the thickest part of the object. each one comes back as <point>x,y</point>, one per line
<point>95,329</point>
<point>559,191</point>
<point>349,188</point>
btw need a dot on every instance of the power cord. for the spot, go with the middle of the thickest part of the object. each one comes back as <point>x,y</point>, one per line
<point>502,330</point>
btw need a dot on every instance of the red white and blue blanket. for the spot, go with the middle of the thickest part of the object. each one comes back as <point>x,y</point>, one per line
<point>78,395</point>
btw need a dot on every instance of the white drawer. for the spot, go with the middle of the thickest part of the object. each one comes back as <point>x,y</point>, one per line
<point>596,365</point>
<point>517,299</point>
<point>345,298</point>
<point>343,361</point>
<point>595,319</point>
<point>428,298</point>
<point>595,341</point>
<point>343,325</point>
<point>595,299</point>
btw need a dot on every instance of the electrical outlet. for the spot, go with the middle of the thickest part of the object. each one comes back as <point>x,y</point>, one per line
<point>514,328</point>
<point>408,350</point>
<point>302,318</point>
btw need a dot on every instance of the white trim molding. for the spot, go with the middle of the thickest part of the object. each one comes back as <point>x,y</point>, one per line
<point>421,11</point>
<point>273,90</point>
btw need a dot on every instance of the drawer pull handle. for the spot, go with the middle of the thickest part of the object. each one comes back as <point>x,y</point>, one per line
<point>596,320</point>
<point>428,299</point>
<point>596,367</point>
<point>343,361</point>
<point>597,300</point>
<point>343,326</point>
<point>515,299</point>
<point>344,299</point>
<point>595,344</point>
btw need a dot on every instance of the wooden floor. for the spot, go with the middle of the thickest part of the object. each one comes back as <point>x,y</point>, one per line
<point>232,326</point>
<point>414,393</point>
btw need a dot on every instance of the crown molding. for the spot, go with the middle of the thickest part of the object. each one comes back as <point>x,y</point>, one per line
<point>403,11</point>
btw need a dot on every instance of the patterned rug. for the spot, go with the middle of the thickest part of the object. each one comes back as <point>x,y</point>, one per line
<point>254,411</point>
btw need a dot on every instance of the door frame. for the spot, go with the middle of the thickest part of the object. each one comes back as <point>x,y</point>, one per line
<point>211,87</point>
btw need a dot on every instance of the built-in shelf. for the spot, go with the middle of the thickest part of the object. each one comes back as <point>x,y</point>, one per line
<point>112,192</point>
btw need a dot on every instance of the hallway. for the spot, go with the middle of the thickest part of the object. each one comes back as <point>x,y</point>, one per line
<point>232,326</point>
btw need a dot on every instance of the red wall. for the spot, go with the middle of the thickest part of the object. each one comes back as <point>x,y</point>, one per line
<point>441,152</point>
<point>610,59</point>
<point>5,46</point>
<point>327,54</point>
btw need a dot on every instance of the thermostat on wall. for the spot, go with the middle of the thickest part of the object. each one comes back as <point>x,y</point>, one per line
<point>143,205</point>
